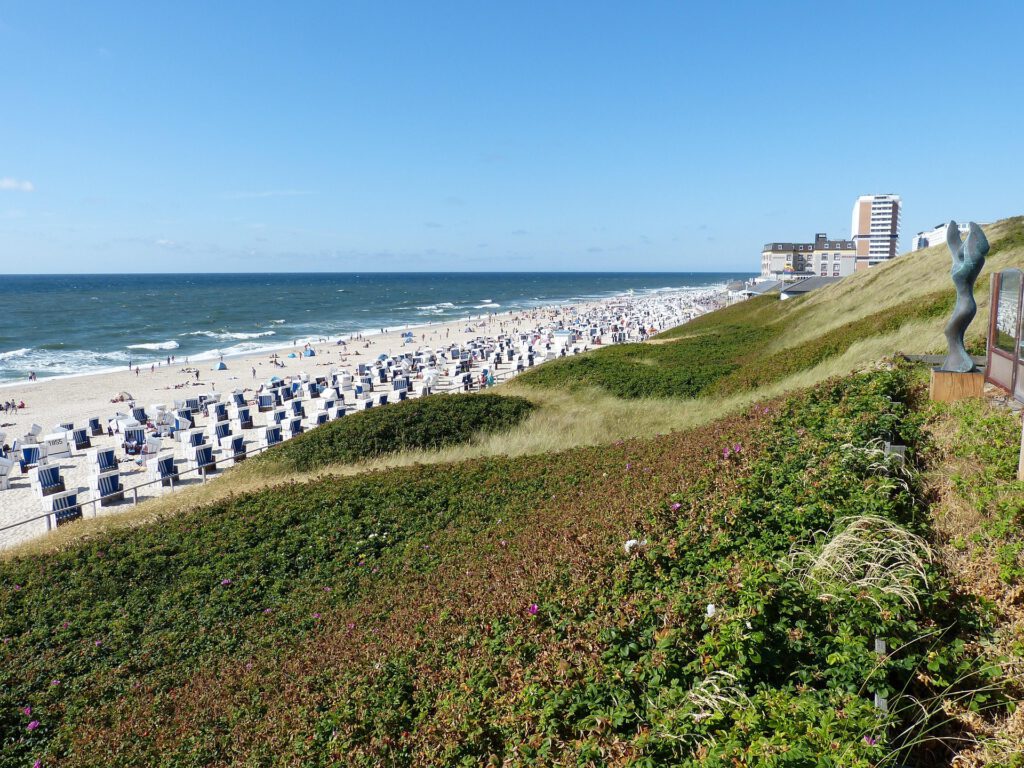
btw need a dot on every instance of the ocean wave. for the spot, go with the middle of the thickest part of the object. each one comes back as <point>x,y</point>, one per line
<point>278,322</point>
<point>62,362</point>
<point>156,345</point>
<point>15,353</point>
<point>436,307</point>
<point>488,305</point>
<point>230,336</point>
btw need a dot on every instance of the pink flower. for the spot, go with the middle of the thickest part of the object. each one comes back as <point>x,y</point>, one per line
<point>27,711</point>
<point>870,741</point>
<point>533,609</point>
<point>99,643</point>
<point>316,615</point>
<point>33,725</point>
<point>55,682</point>
<point>351,625</point>
<point>266,610</point>
<point>225,582</point>
<point>675,506</point>
<point>725,452</point>
<point>737,448</point>
<point>37,764</point>
<point>327,589</point>
<point>17,587</point>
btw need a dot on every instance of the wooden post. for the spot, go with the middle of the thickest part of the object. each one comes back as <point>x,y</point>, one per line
<point>950,386</point>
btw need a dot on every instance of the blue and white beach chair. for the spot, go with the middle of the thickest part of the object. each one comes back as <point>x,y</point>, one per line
<point>64,507</point>
<point>32,456</point>
<point>80,438</point>
<point>163,469</point>
<point>265,401</point>
<point>107,487</point>
<point>271,436</point>
<point>46,480</point>
<point>95,428</point>
<point>201,458</point>
<point>236,448</point>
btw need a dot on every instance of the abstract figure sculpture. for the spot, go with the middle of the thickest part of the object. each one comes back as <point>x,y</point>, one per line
<point>968,259</point>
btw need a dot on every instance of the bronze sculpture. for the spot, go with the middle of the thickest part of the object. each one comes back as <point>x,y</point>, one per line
<point>968,259</point>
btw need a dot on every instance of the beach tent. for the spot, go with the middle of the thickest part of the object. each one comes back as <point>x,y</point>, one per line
<point>221,366</point>
<point>310,353</point>
<point>291,354</point>
<point>382,357</point>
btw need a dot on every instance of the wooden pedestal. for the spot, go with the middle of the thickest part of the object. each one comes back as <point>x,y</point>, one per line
<point>950,386</point>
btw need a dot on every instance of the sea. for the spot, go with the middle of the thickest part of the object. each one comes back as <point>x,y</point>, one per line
<point>63,325</point>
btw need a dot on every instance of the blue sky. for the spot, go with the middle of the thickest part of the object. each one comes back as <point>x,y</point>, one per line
<point>306,136</point>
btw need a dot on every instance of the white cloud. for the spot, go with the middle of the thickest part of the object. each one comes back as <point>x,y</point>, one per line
<point>268,193</point>
<point>6,182</point>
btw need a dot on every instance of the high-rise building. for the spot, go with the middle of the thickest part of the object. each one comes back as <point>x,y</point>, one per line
<point>875,229</point>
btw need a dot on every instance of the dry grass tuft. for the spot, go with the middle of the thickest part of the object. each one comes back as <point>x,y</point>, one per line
<point>867,555</point>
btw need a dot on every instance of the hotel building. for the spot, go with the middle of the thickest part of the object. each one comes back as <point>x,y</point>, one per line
<point>875,229</point>
<point>823,257</point>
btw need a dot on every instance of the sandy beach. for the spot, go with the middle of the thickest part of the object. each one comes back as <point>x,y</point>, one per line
<point>49,402</point>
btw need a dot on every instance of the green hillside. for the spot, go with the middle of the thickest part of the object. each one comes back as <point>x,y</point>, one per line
<point>682,553</point>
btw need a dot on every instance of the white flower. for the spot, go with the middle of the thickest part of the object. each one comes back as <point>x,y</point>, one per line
<point>710,610</point>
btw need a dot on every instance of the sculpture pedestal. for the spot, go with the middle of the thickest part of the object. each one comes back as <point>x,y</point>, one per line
<point>950,386</point>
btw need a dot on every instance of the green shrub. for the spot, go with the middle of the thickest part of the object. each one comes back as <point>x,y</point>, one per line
<point>428,423</point>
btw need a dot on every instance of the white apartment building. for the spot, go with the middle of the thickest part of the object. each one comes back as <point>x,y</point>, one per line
<point>875,228</point>
<point>936,236</point>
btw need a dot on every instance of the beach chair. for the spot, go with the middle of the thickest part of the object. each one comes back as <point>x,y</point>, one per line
<point>63,506</point>
<point>238,399</point>
<point>194,437</point>
<point>298,409</point>
<point>265,402</point>
<point>367,404</point>
<point>182,420</point>
<point>192,404</point>
<point>95,428</point>
<point>32,436</point>
<point>278,416</point>
<point>293,427</point>
<point>134,439</point>
<point>33,455</point>
<point>243,419</point>
<point>46,480</point>
<point>200,457</point>
<point>65,426</point>
<point>322,417</point>
<point>139,414</point>
<point>235,448</point>
<point>80,439</point>
<point>107,487</point>
<point>101,460</point>
<point>402,394</point>
<point>271,436</point>
<point>285,393</point>
<point>382,398</point>
<point>6,470</point>
<point>163,469</point>
<point>221,433</point>
<point>218,412</point>
<point>337,412</point>
<point>57,446</point>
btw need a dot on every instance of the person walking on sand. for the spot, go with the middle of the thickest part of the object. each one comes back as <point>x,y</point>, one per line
<point>197,374</point>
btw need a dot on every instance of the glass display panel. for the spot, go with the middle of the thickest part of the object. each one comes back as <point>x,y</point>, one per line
<point>1006,310</point>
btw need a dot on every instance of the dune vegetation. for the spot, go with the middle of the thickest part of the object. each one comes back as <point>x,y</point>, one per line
<point>695,551</point>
